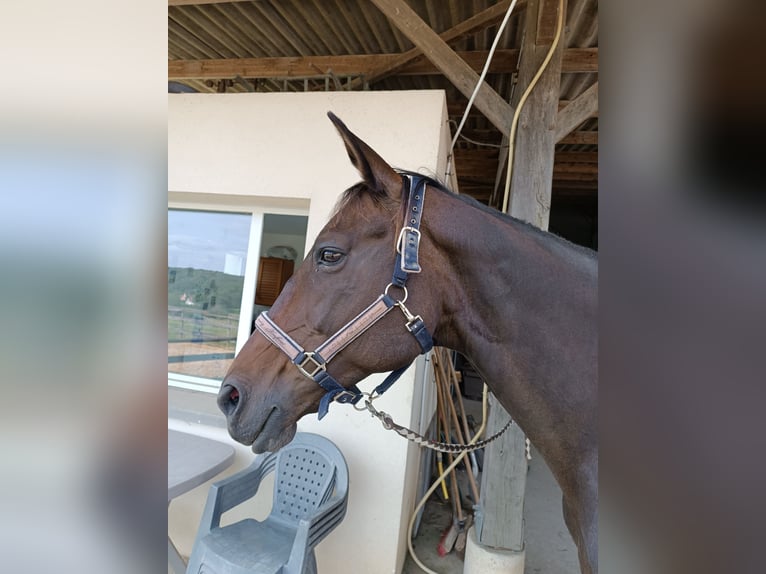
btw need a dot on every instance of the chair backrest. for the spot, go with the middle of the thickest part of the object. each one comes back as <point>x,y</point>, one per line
<point>308,470</point>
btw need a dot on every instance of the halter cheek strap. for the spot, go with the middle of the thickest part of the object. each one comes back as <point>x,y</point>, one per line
<point>313,364</point>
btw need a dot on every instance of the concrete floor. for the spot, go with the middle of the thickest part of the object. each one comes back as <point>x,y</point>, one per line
<point>549,548</point>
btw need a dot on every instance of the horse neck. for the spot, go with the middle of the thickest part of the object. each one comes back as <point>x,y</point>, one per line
<point>513,298</point>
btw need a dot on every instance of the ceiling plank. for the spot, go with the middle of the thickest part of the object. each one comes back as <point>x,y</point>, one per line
<point>580,109</point>
<point>504,61</point>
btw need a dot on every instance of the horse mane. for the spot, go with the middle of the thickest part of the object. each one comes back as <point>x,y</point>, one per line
<point>504,217</point>
<point>353,193</point>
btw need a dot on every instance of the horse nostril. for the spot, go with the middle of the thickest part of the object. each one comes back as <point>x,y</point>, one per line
<point>228,399</point>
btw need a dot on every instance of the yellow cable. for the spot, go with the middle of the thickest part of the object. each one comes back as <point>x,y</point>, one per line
<point>523,100</point>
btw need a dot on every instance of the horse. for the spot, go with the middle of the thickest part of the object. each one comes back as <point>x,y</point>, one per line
<point>518,302</point>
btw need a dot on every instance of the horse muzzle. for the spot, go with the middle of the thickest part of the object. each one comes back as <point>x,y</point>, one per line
<point>261,424</point>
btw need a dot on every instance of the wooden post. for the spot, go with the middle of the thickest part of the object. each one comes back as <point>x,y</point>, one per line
<point>505,464</point>
<point>530,197</point>
<point>502,484</point>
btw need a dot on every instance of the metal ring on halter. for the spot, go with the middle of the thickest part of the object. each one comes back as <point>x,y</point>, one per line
<point>403,288</point>
<point>361,407</point>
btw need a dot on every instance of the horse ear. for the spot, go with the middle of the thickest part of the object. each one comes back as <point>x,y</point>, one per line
<point>375,172</point>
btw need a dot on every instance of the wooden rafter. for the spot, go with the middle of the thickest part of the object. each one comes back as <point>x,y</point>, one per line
<point>194,2</point>
<point>504,61</point>
<point>580,109</point>
<point>494,107</point>
<point>580,138</point>
<point>474,24</point>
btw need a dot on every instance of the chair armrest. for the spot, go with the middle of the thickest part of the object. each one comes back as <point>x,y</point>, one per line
<point>227,493</point>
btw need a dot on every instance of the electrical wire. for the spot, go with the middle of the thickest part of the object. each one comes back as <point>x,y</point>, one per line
<point>523,100</point>
<point>474,142</point>
<point>480,82</point>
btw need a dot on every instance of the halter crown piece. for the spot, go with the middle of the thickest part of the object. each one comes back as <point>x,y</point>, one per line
<point>313,364</point>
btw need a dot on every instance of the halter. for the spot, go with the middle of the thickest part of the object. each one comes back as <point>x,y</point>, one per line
<point>313,364</point>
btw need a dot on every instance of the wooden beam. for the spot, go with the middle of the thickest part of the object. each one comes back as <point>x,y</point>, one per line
<point>503,62</point>
<point>486,156</point>
<point>474,24</point>
<point>580,109</point>
<point>535,144</point>
<point>505,465</point>
<point>196,2</point>
<point>577,157</point>
<point>502,484</point>
<point>591,187</point>
<point>494,107</point>
<point>575,60</point>
<point>271,67</point>
<point>579,60</point>
<point>580,138</point>
<point>564,170</point>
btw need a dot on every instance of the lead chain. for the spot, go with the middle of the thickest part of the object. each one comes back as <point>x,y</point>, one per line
<point>411,435</point>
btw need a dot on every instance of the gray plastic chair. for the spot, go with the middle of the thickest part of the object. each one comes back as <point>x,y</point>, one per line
<point>310,499</point>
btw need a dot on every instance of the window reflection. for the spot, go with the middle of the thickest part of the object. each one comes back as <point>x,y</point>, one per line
<point>207,252</point>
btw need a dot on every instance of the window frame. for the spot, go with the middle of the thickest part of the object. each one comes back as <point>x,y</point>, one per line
<point>257,211</point>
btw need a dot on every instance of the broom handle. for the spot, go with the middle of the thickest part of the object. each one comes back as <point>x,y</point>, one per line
<point>451,407</point>
<point>453,375</point>
<point>439,429</point>
<point>440,409</point>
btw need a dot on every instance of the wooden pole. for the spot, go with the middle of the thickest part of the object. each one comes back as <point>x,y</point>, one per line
<point>441,413</point>
<point>505,465</point>
<point>439,362</point>
<point>532,180</point>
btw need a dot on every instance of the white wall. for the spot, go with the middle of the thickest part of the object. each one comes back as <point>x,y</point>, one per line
<point>282,152</point>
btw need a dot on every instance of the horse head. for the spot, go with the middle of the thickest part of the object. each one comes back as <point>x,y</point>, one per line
<point>272,382</point>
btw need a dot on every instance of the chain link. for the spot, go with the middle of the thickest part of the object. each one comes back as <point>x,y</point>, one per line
<point>389,424</point>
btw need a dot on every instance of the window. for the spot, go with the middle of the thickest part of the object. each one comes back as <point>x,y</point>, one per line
<point>213,263</point>
<point>207,253</point>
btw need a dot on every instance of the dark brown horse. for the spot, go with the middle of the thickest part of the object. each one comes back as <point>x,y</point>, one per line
<point>518,302</point>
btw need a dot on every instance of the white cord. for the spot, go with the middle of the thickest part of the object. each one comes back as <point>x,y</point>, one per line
<point>480,82</point>
<point>438,481</point>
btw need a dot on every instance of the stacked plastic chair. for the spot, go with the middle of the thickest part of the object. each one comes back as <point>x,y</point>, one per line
<point>310,499</point>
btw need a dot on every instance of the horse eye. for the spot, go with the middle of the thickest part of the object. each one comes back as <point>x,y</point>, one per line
<point>330,256</point>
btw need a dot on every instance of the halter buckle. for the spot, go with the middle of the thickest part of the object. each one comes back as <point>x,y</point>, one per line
<point>316,368</point>
<point>347,397</point>
<point>407,246</point>
<point>406,229</point>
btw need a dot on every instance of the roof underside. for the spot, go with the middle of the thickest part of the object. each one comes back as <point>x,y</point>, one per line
<point>305,45</point>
